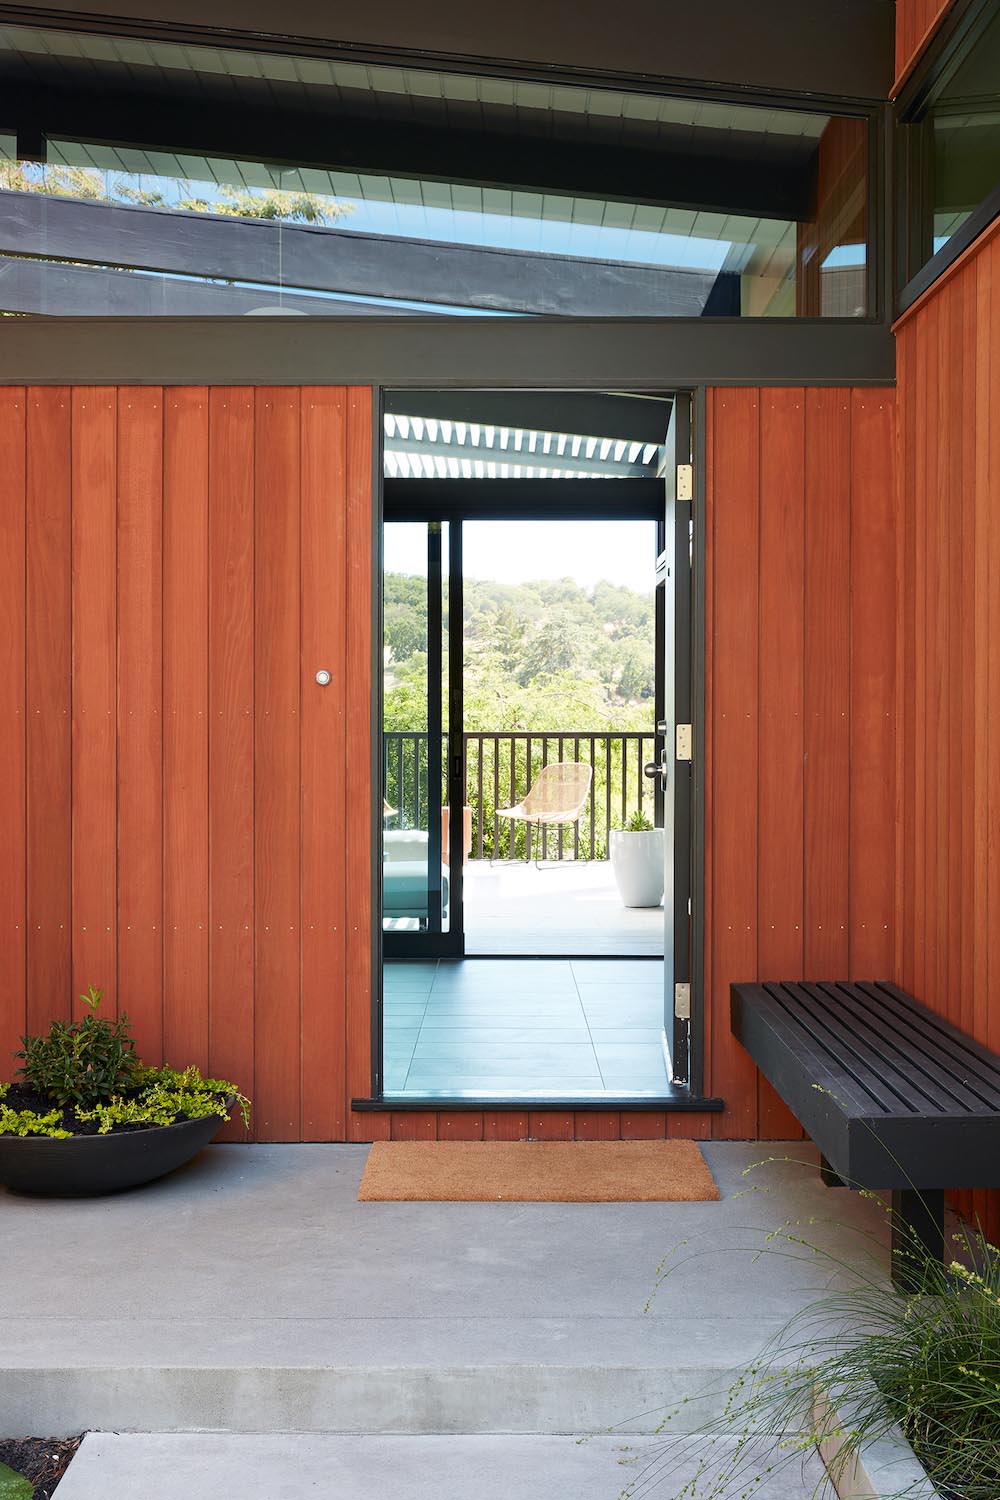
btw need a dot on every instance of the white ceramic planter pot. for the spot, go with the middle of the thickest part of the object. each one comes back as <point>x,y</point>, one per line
<point>637,862</point>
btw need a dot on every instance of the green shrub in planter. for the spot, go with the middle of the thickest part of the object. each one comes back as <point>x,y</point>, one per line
<point>80,1062</point>
<point>84,1078</point>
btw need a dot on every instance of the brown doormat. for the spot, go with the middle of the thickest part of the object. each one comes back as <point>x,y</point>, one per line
<point>537,1172</point>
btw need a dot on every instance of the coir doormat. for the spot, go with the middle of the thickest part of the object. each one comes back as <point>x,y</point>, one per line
<point>537,1172</point>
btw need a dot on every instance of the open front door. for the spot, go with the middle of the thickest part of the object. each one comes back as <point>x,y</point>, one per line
<point>672,771</point>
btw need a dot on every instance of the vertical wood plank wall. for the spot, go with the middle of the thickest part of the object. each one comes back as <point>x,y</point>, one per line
<point>841,218</point>
<point>177,826</point>
<point>800,833</point>
<point>948,867</point>
<point>186,814</point>
<point>916,20</point>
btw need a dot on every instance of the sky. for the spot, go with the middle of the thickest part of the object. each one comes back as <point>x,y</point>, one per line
<point>622,552</point>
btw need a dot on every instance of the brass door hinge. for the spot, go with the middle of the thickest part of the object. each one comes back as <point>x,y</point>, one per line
<point>684,742</point>
<point>685,481</point>
<point>682,1002</point>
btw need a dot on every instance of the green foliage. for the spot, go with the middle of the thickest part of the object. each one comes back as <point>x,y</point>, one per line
<point>26,1122</point>
<point>97,186</point>
<point>89,1067</point>
<point>161,1096</point>
<point>272,203</point>
<point>548,654</point>
<point>14,1486</point>
<point>928,1362</point>
<point>81,1062</point>
<point>190,1092</point>
<point>538,656</point>
<point>638,823</point>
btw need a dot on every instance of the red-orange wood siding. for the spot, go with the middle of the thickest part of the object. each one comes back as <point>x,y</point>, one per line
<point>801,648</point>
<point>916,22</point>
<point>175,566</point>
<point>947,890</point>
<point>841,218</point>
<point>186,814</point>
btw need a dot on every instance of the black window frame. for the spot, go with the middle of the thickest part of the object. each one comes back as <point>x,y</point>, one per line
<point>878,291</point>
<point>918,267</point>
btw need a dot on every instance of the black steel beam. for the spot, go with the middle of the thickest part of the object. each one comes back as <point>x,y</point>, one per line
<point>839,48</point>
<point>307,257</point>
<point>58,290</point>
<point>765,177</point>
<point>634,418</point>
<point>526,499</point>
<point>438,353</point>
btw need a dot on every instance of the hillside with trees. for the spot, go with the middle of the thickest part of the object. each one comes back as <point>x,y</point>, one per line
<point>546,655</point>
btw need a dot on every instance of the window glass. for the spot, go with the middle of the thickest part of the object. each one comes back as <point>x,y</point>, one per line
<point>965,120</point>
<point>230,183</point>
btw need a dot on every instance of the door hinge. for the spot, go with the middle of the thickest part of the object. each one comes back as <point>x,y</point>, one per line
<point>684,742</point>
<point>685,481</point>
<point>682,1002</point>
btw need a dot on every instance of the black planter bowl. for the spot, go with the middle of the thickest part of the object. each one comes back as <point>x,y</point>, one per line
<point>88,1164</point>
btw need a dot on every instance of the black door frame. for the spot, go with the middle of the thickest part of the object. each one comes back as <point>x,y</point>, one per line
<point>436,942</point>
<point>674,708</point>
<point>420,496</point>
<point>452,502</point>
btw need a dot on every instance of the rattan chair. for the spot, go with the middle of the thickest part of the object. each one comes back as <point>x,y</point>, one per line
<point>556,797</point>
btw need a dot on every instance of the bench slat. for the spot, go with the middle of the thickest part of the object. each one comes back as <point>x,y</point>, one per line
<point>892,1096</point>
<point>932,1085</point>
<point>853,1084</point>
<point>965,1057</point>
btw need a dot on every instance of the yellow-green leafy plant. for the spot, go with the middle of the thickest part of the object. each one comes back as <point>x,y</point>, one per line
<point>26,1122</point>
<point>89,1073</point>
<point>163,1097</point>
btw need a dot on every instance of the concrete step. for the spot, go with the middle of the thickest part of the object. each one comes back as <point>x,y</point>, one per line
<point>291,1466</point>
<point>550,1379</point>
<point>252,1292</point>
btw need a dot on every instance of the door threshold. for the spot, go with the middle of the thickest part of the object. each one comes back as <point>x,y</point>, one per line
<point>679,1102</point>
<point>597,958</point>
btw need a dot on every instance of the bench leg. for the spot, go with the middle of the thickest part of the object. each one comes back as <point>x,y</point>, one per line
<point>828,1176</point>
<point>917,1221</point>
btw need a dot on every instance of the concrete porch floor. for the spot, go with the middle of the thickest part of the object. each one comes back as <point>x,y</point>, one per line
<point>252,1293</point>
<point>565,907</point>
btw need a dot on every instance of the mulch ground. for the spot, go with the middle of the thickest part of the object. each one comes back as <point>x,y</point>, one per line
<point>43,1461</point>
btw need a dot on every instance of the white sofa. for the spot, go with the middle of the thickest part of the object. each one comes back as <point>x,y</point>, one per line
<point>404,874</point>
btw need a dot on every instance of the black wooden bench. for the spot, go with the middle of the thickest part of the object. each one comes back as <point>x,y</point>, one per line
<point>894,1097</point>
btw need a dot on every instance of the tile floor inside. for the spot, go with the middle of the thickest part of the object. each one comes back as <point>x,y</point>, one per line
<point>524,1028</point>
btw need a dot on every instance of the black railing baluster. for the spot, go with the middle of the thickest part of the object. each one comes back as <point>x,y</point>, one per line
<point>544,829</point>
<point>407,766</point>
<point>562,826</point>
<point>479,792</point>
<point>624,781</point>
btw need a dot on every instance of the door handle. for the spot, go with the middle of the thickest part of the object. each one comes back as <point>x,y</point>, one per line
<point>658,768</point>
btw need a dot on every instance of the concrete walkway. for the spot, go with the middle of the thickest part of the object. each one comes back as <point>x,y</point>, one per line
<point>293,1467</point>
<point>252,1293</point>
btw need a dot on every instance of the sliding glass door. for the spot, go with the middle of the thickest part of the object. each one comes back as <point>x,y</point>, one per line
<point>421,880</point>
